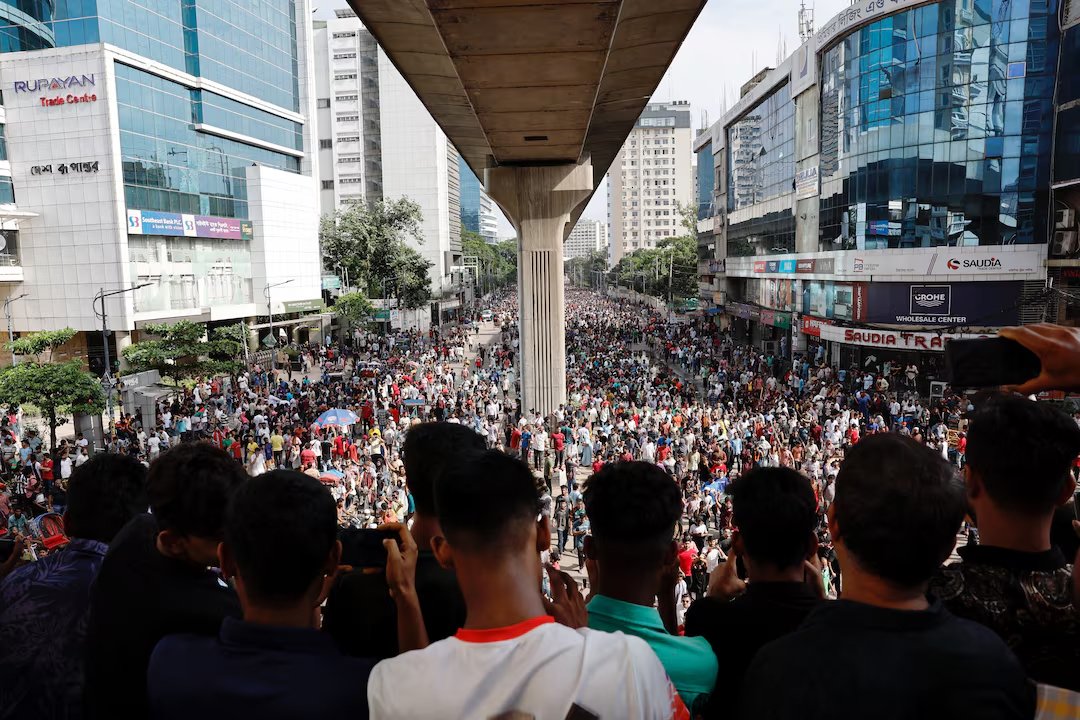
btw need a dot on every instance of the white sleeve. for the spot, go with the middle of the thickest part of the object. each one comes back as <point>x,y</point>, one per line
<point>656,697</point>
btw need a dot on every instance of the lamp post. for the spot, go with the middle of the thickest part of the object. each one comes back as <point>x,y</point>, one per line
<point>107,378</point>
<point>344,274</point>
<point>270,312</point>
<point>11,334</point>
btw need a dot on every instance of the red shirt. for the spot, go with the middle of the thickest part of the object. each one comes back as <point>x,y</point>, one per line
<point>307,456</point>
<point>686,559</point>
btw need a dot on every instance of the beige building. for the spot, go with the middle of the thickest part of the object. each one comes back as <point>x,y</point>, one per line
<point>651,176</point>
<point>588,236</point>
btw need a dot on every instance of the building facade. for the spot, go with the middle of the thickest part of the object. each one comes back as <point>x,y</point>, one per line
<point>890,183</point>
<point>477,207</point>
<point>163,146</point>
<point>377,141</point>
<point>587,237</point>
<point>651,176</point>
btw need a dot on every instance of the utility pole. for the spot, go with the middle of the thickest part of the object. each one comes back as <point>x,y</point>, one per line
<point>107,378</point>
<point>270,312</point>
<point>10,333</point>
<point>670,273</point>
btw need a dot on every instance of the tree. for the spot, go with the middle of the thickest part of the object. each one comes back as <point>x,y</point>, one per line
<point>34,344</point>
<point>583,270</point>
<point>57,389</point>
<point>496,262</point>
<point>180,351</point>
<point>374,243</point>
<point>354,307</point>
<point>670,269</point>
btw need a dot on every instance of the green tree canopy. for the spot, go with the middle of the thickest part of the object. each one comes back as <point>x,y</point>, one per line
<point>180,351</point>
<point>354,307</point>
<point>583,270</point>
<point>496,262</point>
<point>667,271</point>
<point>373,243</point>
<point>56,389</point>
<point>37,343</point>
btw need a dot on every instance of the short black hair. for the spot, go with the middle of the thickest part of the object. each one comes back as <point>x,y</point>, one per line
<point>429,449</point>
<point>898,506</point>
<point>484,499</point>
<point>776,513</point>
<point>103,494</point>
<point>1022,451</point>
<point>633,508</point>
<point>189,488</point>
<point>281,527</point>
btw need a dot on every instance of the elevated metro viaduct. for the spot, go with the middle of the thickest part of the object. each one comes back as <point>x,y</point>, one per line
<point>538,96</point>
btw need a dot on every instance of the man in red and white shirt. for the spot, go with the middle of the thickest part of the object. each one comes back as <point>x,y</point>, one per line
<point>512,658</point>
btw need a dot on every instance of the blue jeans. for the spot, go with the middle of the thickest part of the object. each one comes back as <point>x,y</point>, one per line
<point>562,534</point>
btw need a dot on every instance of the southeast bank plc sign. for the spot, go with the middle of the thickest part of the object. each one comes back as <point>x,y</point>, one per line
<point>70,90</point>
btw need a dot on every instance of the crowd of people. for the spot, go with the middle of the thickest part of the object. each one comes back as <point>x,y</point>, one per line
<point>755,537</point>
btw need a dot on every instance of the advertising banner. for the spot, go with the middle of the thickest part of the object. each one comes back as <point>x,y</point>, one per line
<point>942,262</point>
<point>812,325</point>
<point>806,183</point>
<point>894,339</point>
<point>151,222</point>
<point>984,304</point>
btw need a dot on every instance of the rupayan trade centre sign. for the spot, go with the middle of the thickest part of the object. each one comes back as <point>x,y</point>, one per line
<point>70,90</point>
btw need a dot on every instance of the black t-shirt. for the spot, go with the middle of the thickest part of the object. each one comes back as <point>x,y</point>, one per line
<point>852,661</point>
<point>361,616</point>
<point>139,597</point>
<point>737,629</point>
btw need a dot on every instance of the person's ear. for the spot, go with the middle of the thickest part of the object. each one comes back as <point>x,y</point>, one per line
<point>227,561</point>
<point>543,533</point>
<point>588,545</point>
<point>834,526</point>
<point>444,554</point>
<point>171,544</point>
<point>1067,491</point>
<point>671,554</point>
<point>972,484</point>
<point>812,545</point>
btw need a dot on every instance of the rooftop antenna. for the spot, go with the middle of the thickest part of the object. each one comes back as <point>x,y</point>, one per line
<point>806,21</point>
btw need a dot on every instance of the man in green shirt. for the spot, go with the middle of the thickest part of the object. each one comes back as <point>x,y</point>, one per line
<point>633,508</point>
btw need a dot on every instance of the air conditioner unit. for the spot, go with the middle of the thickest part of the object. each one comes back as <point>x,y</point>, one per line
<point>1064,243</point>
<point>1065,219</point>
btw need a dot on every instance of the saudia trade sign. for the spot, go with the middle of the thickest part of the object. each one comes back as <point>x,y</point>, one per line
<point>59,85</point>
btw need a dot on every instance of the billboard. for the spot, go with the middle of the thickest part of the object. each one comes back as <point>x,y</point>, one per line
<point>152,222</point>
<point>983,304</point>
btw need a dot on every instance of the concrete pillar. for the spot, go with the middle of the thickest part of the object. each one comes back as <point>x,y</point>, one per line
<point>123,340</point>
<point>253,335</point>
<point>539,202</point>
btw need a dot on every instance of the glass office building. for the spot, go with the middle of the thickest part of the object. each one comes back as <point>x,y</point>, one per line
<point>26,25</point>
<point>935,127</point>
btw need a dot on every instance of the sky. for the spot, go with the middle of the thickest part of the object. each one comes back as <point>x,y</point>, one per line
<point>731,40</point>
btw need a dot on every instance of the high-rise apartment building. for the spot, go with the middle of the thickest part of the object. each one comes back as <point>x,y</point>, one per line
<point>477,207</point>
<point>161,147</point>
<point>588,236</point>
<point>651,176</point>
<point>377,141</point>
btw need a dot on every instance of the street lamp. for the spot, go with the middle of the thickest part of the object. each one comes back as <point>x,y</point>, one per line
<point>11,335</point>
<point>270,312</point>
<point>107,378</point>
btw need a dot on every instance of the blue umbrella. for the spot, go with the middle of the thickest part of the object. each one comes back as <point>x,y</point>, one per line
<point>338,417</point>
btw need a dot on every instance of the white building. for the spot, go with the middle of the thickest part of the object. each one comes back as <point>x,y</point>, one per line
<point>588,236</point>
<point>377,141</point>
<point>652,174</point>
<point>115,186</point>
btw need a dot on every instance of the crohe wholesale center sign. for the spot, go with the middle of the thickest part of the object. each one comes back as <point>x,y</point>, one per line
<point>70,90</point>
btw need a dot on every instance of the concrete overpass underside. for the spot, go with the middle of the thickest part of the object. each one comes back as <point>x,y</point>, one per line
<point>538,97</point>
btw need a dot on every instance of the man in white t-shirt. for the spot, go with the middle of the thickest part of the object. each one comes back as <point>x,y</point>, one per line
<point>512,659</point>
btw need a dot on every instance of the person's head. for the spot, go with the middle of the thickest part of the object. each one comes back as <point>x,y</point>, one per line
<point>189,489</point>
<point>897,510</point>
<point>281,541</point>
<point>489,511</point>
<point>633,508</point>
<point>776,513</point>
<point>1019,454</point>
<point>428,451</point>
<point>103,494</point>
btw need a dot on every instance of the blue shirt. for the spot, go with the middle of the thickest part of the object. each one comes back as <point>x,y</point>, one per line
<point>256,671</point>
<point>43,615</point>
<point>689,661</point>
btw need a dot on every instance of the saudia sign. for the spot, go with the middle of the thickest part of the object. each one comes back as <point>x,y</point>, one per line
<point>72,83</point>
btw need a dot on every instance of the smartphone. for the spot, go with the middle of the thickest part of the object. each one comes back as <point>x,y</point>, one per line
<point>363,548</point>
<point>989,362</point>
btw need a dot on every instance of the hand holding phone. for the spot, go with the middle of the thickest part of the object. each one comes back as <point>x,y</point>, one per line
<point>1058,350</point>
<point>989,362</point>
